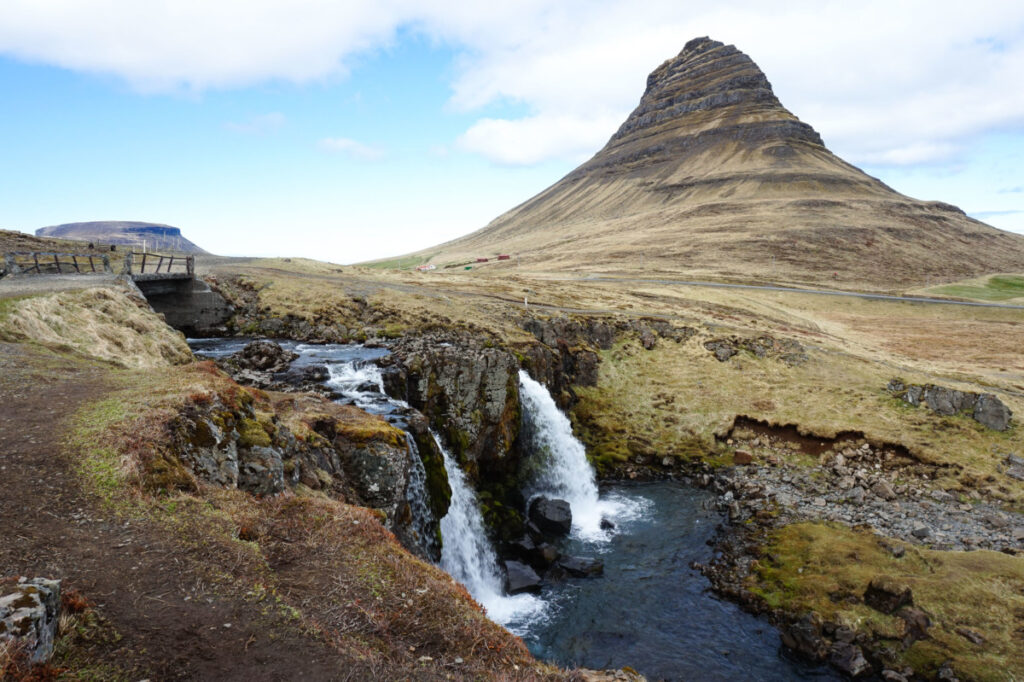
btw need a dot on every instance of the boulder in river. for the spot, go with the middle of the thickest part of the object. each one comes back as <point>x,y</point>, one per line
<point>803,636</point>
<point>581,567</point>
<point>520,578</point>
<point>551,515</point>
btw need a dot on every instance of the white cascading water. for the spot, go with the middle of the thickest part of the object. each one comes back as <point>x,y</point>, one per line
<point>558,465</point>
<point>466,552</point>
<point>350,379</point>
<point>467,555</point>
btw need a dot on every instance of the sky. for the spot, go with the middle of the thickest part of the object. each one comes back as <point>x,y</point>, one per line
<point>349,130</point>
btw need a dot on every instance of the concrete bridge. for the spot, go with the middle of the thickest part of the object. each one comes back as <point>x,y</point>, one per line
<point>170,285</point>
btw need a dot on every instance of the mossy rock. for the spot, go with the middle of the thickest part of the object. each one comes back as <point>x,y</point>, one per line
<point>165,473</point>
<point>252,434</point>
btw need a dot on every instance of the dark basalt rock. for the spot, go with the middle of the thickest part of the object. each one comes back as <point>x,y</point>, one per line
<point>551,516</point>
<point>520,578</point>
<point>266,356</point>
<point>916,624</point>
<point>985,408</point>
<point>849,660</point>
<point>886,594</point>
<point>804,637</point>
<point>991,412</point>
<point>581,567</point>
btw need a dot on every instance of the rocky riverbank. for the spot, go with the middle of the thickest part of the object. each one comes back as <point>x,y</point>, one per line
<point>880,500</point>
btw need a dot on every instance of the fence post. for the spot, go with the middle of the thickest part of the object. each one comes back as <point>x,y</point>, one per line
<point>12,265</point>
<point>126,269</point>
<point>106,263</point>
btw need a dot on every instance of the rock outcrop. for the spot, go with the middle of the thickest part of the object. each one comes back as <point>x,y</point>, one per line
<point>29,615</point>
<point>468,391</point>
<point>984,408</point>
<point>309,441</point>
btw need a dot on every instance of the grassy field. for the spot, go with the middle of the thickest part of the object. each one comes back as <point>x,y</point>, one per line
<point>1006,288</point>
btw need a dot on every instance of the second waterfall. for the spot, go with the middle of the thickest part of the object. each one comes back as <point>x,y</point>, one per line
<point>557,466</point>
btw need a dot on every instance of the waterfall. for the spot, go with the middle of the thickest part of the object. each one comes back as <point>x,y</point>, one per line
<point>467,555</point>
<point>419,504</point>
<point>557,465</point>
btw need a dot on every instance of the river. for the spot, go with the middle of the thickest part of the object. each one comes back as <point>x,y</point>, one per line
<point>649,611</point>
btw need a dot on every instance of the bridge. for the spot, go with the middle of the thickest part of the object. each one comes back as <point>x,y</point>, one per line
<point>167,281</point>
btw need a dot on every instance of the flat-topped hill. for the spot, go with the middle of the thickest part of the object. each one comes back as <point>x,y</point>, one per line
<point>711,176</point>
<point>155,235</point>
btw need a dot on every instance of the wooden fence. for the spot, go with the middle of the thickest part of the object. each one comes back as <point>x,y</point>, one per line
<point>136,263</point>
<point>37,262</point>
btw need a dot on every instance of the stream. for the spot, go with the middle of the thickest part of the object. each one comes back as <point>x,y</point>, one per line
<point>650,610</point>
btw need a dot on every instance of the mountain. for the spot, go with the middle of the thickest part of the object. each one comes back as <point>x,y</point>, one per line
<point>157,237</point>
<point>711,176</point>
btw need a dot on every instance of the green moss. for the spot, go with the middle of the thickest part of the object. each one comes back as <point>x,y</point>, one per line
<point>165,473</point>
<point>393,330</point>
<point>458,440</point>
<point>252,434</point>
<point>99,463</point>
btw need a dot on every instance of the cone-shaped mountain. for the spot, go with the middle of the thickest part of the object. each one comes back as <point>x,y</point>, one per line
<point>711,175</point>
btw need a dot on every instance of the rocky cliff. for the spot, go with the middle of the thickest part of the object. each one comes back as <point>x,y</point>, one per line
<point>304,442</point>
<point>710,174</point>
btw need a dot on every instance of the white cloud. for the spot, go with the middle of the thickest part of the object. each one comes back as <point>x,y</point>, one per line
<point>885,83</point>
<point>351,148</point>
<point>530,140</point>
<point>264,123</point>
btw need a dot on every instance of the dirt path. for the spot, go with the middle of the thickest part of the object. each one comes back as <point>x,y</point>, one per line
<point>172,626</point>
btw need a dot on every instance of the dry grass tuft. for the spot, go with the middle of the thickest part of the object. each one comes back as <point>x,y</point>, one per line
<point>100,323</point>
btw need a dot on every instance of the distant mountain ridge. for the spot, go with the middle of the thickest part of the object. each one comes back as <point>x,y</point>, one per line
<point>711,175</point>
<point>155,236</point>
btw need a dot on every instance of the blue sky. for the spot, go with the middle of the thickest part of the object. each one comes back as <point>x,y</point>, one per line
<point>349,131</point>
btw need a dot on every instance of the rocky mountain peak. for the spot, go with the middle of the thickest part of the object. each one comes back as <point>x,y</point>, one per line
<point>704,82</point>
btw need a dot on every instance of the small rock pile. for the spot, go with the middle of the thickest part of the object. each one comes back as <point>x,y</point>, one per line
<point>788,351</point>
<point>864,485</point>
<point>535,554</point>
